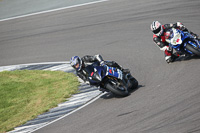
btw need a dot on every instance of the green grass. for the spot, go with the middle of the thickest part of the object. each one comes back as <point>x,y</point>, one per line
<point>28,93</point>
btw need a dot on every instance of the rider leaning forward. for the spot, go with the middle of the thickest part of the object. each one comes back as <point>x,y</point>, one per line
<point>79,64</point>
<point>159,31</point>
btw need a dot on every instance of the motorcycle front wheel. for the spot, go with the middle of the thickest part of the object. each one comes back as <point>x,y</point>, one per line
<point>120,91</point>
<point>193,49</point>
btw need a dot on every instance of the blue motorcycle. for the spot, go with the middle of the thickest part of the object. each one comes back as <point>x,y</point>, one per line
<point>111,79</point>
<point>183,42</point>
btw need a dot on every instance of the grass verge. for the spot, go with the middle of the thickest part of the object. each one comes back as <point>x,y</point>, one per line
<point>24,94</point>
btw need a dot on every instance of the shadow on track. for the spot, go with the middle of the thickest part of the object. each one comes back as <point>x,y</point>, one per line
<point>187,58</point>
<point>109,95</point>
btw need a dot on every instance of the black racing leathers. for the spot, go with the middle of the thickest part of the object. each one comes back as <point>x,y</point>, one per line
<point>91,59</point>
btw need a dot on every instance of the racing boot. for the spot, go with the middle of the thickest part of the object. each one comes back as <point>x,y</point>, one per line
<point>172,58</point>
<point>128,76</point>
<point>125,71</point>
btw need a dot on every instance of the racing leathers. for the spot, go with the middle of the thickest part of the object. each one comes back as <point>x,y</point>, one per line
<point>97,58</point>
<point>164,46</point>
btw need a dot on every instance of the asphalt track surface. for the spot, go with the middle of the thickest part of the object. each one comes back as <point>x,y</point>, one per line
<point>168,99</point>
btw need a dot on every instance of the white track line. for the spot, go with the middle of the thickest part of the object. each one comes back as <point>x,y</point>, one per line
<point>41,63</point>
<point>58,9</point>
<point>69,113</point>
<point>12,67</point>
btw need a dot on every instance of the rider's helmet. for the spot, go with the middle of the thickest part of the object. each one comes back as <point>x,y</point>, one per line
<point>169,34</point>
<point>76,63</point>
<point>156,28</point>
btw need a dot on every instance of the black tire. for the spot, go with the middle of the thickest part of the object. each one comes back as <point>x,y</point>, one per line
<point>192,49</point>
<point>116,90</point>
<point>134,83</point>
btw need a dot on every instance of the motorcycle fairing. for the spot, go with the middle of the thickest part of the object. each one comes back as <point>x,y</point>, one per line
<point>180,38</point>
<point>111,71</point>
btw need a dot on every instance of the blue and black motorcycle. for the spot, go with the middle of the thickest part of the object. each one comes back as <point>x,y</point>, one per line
<point>111,79</point>
<point>183,42</point>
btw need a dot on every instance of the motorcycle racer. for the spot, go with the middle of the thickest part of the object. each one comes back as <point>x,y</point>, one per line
<point>79,64</point>
<point>159,39</point>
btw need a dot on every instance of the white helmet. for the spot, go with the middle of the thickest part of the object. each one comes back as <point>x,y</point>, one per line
<point>156,28</point>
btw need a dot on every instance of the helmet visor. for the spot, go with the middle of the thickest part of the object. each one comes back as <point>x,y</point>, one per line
<point>76,66</point>
<point>157,30</point>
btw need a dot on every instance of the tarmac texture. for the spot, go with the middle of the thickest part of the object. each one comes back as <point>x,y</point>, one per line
<point>167,100</point>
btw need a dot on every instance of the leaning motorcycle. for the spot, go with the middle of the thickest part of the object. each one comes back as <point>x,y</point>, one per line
<point>183,42</point>
<point>111,79</point>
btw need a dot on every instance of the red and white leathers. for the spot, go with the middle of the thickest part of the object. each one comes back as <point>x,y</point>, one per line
<point>159,40</point>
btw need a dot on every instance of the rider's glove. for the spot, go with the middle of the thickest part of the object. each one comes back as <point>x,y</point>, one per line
<point>180,26</point>
<point>102,63</point>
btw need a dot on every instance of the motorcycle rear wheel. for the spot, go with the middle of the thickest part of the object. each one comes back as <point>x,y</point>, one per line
<point>117,90</point>
<point>134,83</point>
<point>192,49</point>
